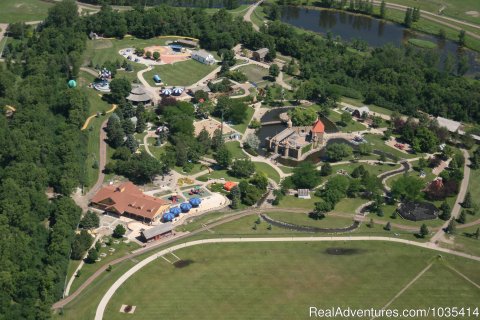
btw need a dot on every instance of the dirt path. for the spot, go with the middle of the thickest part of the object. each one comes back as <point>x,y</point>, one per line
<point>3,30</point>
<point>248,14</point>
<point>87,122</point>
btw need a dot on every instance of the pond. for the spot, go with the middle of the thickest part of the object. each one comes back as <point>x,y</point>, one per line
<point>373,31</point>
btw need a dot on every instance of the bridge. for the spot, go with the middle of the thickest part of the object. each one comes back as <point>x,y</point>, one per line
<point>272,122</point>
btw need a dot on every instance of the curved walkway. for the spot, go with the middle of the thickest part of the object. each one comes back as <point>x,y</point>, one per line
<point>406,166</point>
<point>291,226</point>
<point>87,122</point>
<point>120,281</point>
<point>248,15</point>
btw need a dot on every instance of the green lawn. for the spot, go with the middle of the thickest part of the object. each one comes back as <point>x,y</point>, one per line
<point>422,43</point>
<point>268,170</point>
<point>218,174</point>
<point>183,73</point>
<point>378,143</point>
<point>303,219</point>
<point>372,169</point>
<point>372,107</point>
<point>294,202</point>
<point>235,150</point>
<point>88,269</point>
<point>23,10</point>
<point>254,280</point>
<point>285,169</point>
<point>350,127</point>
<point>349,205</point>
<point>255,73</point>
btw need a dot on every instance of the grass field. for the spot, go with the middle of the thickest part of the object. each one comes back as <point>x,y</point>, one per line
<point>255,74</point>
<point>352,126</point>
<point>372,107</point>
<point>372,169</point>
<point>183,73</point>
<point>268,170</point>
<point>235,150</point>
<point>422,43</point>
<point>23,10</point>
<point>253,281</point>
<point>93,130</point>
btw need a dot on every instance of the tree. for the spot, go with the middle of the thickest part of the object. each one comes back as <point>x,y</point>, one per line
<point>131,143</point>
<point>243,168</point>
<point>416,14</point>
<point>252,141</point>
<point>451,228</point>
<point>445,211</point>
<point>408,20</point>
<point>235,197</point>
<point>259,180</point>
<point>119,89</point>
<point>302,116</point>
<point>305,176</point>
<point>476,235</point>
<point>321,208</point>
<point>119,231</point>
<point>274,71</point>
<point>92,256</point>
<point>346,118</point>
<point>326,169</point>
<point>115,133</point>
<point>90,221</point>
<point>148,54</point>
<point>217,140</point>
<point>463,65</point>
<point>462,36</point>
<point>364,149</point>
<point>223,157</point>
<point>467,201</point>
<point>407,187</point>
<point>383,9</point>
<point>338,151</point>
<point>462,218</point>
<point>156,55</point>
<point>141,124</point>
<point>424,231</point>
<point>80,245</point>
<point>388,226</point>
<point>442,34</point>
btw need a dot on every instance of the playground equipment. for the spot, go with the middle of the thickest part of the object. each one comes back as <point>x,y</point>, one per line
<point>196,190</point>
<point>166,92</point>
<point>177,91</point>
<point>72,84</point>
<point>105,74</point>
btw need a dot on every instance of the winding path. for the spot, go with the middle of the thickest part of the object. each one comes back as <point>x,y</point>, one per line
<point>248,14</point>
<point>120,281</point>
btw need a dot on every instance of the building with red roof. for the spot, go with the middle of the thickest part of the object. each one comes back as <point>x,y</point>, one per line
<point>128,200</point>
<point>317,131</point>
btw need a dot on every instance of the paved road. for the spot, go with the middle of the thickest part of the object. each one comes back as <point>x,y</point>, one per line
<point>111,291</point>
<point>440,235</point>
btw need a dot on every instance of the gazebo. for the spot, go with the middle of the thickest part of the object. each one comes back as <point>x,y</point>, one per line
<point>195,202</point>
<point>177,91</point>
<point>166,92</point>
<point>175,211</point>
<point>168,216</point>
<point>185,207</point>
<point>139,95</point>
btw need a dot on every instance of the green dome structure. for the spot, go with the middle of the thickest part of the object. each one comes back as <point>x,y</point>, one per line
<point>72,84</point>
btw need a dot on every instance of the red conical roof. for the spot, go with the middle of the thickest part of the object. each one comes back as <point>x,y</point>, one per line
<point>318,127</point>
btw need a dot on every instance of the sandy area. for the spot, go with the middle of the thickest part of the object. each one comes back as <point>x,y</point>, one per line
<point>210,125</point>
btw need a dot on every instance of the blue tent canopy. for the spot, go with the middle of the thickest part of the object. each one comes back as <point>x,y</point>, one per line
<point>175,211</point>
<point>195,202</point>
<point>168,216</point>
<point>156,78</point>
<point>185,206</point>
<point>176,47</point>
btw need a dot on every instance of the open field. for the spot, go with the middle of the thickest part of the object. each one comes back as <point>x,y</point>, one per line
<point>452,8</point>
<point>241,127</point>
<point>183,73</point>
<point>235,150</point>
<point>353,125</point>
<point>372,107</point>
<point>255,74</point>
<point>268,170</point>
<point>23,10</point>
<point>267,274</point>
<point>372,169</point>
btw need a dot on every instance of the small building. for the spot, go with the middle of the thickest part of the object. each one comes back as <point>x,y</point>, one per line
<point>203,56</point>
<point>228,186</point>
<point>360,111</point>
<point>177,48</point>
<point>450,125</point>
<point>260,54</point>
<point>187,43</point>
<point>157,232</point>
<point>139,95</point>
<point>128,200</point>
<point>303,194</point>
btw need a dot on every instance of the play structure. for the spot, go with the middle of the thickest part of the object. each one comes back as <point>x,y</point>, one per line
<point>228,186</point>
<point>102,86</point>
<point>72,84</point>
<point>196,191</point>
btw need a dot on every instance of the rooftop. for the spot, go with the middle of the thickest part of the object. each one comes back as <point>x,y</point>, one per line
<point>318,127</point>
<point>128,198</point>
<point>157,230</point>
<point>451,125</point>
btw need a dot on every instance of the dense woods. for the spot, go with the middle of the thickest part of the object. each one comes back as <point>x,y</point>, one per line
<point>40,146</point>
<point>227,4</point>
